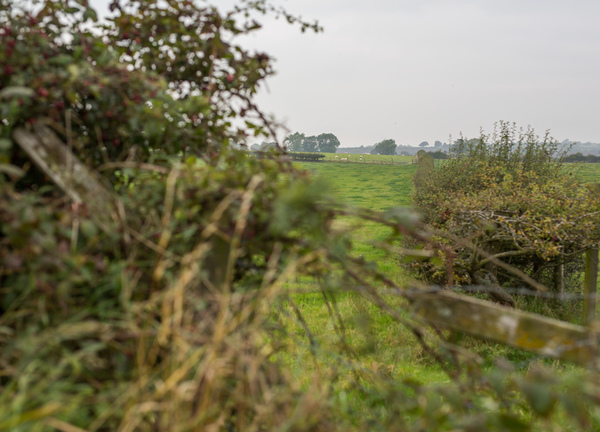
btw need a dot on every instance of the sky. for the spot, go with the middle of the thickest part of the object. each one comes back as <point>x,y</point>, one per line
<point>422,70</point>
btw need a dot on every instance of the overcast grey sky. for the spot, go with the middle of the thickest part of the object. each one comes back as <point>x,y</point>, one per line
<point>419,70</point>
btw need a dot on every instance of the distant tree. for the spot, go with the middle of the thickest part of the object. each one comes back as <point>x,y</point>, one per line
<point>311,144</point>
<point>255,147</point>
<point>295,142</point>
<point>438,144</point>
<point>579,157</point>
<point>385,147</point>
<point>327,143</point>
<point>424,144</point>
<point>404,153</point>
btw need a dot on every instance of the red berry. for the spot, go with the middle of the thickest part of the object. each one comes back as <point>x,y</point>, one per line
<point>43,92</point>
<point>109,114</point>
<point>229,77</point>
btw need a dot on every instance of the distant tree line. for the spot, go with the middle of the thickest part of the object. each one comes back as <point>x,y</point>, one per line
<point>579,157</point>
<point>324,143</point>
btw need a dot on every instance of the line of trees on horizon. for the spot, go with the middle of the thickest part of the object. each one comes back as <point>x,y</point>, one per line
<point>323,143</point>
<point>329,143</point>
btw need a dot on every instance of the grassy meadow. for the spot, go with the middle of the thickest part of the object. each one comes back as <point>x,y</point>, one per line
<point>383,344</point>
<point>368,185</point>
<point>587,172</point>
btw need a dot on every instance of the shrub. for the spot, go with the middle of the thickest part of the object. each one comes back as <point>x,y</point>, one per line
<point>510,197</point>
<point>308,157</point>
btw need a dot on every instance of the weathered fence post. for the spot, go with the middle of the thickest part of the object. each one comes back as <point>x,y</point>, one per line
<point>487,320</point>
<point>81,184</point>
<point>590,285</point>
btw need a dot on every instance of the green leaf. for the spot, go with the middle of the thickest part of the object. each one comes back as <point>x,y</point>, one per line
<point>90,14</point>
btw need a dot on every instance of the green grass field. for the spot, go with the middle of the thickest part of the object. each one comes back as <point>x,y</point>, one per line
<point>587,172</point>
<point>383,344</point>
<point>367,185</point>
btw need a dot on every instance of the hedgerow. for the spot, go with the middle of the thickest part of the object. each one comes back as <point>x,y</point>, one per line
<point>170,314</point>
<point>509,197</point>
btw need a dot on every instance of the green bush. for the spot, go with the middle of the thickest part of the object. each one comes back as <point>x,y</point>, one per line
<point>509,197</point>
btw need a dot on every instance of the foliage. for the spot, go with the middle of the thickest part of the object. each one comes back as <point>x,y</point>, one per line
<point>425,169</point>
<point>579,157</point>
<point>313,157</point>
<point>328,143</point>
<point>324,143</point>
<point>109,312</point>
<point>295,142</point>
<point>438,155</point>
<point>385,147</point>
<point>509,195</point>
<point>172,320</point>
<point>165,77</point>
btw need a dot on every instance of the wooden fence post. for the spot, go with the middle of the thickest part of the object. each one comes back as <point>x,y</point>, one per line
<point>81,184</point>
<point>528,331</point>
<point>590,285</point>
